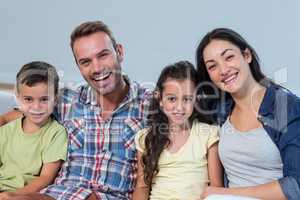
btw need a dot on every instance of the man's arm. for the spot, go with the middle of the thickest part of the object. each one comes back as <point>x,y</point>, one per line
<point>9,116</point>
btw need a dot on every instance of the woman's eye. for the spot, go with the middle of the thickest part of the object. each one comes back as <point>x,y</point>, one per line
<point>211,67</point>
<point>228,58</point>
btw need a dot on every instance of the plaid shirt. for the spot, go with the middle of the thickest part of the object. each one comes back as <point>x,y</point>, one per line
<point>101,154</point>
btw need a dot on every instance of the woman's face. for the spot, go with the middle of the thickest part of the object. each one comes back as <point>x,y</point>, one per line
<point>227,66</point>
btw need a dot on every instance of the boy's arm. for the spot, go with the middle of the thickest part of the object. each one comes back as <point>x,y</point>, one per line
<point>141,191</point>
<point>48,173</point>
<point>9,116</point>
<point>215,169</point>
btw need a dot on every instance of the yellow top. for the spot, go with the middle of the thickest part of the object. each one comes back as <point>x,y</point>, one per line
<point>183,175</point>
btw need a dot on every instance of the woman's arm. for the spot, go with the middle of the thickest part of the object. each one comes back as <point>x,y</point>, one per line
<point>215,169</point>
<point>47,176</point>
<point>141,191</point>
<point>268,191</point>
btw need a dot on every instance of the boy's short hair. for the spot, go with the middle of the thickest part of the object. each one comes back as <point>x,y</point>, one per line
<point>37,72</point>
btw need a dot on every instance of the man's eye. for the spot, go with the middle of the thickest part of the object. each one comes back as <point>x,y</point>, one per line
<point>84,63</point>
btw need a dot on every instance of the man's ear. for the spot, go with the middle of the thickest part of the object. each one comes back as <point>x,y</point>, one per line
<point>120,52</point>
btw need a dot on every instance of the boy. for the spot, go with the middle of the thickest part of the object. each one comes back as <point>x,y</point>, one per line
<point>33,147</point>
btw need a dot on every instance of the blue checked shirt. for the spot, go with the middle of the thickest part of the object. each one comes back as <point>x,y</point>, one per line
<point>101,153</point>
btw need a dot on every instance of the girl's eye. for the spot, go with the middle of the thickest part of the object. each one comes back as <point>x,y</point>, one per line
<point>171,99</point>
<point>188,99</point>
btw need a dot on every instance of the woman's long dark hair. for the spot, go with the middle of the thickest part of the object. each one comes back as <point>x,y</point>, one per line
<point>207,86</point>
<point>157,138</point>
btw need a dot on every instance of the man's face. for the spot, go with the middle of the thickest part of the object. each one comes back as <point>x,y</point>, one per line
<point>99,62</point>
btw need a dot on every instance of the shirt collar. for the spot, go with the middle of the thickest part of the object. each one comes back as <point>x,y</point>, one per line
<point>267,104</point>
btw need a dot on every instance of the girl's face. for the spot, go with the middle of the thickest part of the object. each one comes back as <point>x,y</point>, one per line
<point>227,66</point>
<point>177,100</point>
<point>36,103</point>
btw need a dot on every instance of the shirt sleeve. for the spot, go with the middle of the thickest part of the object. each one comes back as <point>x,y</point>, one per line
<point>56,149</point>
<point>291,170</point>
<point>213,136</point>
<point>140,140</point>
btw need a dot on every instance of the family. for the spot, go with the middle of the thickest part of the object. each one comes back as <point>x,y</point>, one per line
<point>219,131</point>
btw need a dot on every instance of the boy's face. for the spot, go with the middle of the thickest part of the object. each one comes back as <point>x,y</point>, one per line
<point>36,102</point>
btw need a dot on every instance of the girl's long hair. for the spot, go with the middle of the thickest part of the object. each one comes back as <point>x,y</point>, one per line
<point>157,138</point>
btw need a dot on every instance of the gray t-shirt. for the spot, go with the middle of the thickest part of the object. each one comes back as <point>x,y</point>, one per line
<point>249,158</point>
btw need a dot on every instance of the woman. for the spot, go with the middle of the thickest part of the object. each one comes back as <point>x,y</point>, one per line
<point>260,136</point>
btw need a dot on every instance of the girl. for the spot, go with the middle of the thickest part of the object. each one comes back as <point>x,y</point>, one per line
<point>177,154</point>
<point>259,139</point>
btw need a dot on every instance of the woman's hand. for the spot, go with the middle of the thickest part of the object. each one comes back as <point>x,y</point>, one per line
<point>212,190</point>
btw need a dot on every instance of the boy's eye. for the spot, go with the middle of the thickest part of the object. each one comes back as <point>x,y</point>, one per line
<point>27,99</point>
<point>44,99</point>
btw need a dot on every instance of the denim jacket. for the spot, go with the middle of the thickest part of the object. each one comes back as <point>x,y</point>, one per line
<point>279,114</point>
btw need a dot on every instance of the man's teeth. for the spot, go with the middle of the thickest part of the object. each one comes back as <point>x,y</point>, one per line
<point>103,76</point>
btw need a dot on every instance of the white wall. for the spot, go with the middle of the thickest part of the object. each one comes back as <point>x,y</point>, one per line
<point>154,33</point>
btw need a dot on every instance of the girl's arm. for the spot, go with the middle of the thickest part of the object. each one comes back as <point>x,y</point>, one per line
<point>48,173</point>
<point>141,191</point>
<point>215,169</point>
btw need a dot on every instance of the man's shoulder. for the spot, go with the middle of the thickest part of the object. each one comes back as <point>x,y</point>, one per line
<point>69,94</point>
<point>143,93</point>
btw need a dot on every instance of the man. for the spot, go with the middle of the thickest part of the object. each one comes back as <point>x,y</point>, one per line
<point>101,119</point>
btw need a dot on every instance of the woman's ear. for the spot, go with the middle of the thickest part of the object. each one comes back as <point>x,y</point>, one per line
<point>247,55</point>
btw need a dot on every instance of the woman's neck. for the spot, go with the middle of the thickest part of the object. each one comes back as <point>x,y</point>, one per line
<point>250,97</point>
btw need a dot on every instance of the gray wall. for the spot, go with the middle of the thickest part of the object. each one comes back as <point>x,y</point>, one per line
<point>153,32</point>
